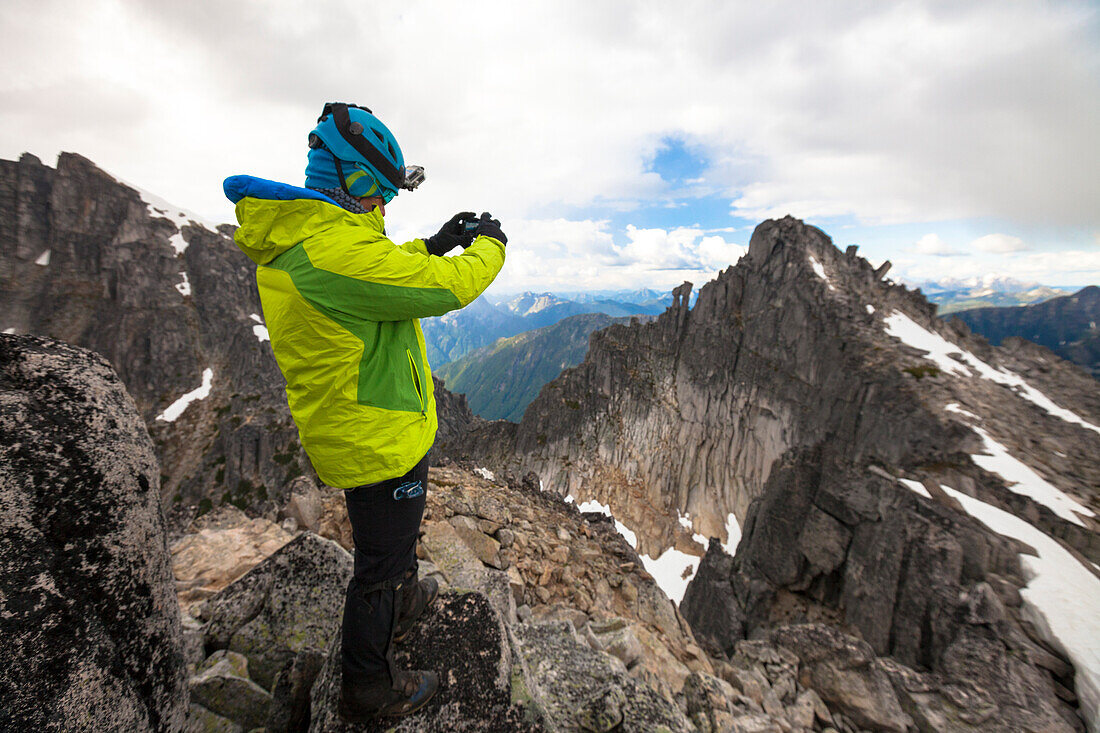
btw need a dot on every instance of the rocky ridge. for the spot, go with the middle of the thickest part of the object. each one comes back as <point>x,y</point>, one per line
<point>525,649</point>
<point>1065,325</point>
<point>688,414</point>
<point>856,438</point>
<point>164,297</point>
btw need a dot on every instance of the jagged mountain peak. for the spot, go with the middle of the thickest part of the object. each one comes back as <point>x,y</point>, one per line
<point>529,302</point>
<point>797,343</point>
<point>830,413</point>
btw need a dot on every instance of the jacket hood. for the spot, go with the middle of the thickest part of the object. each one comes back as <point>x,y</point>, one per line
<point>274,216</point>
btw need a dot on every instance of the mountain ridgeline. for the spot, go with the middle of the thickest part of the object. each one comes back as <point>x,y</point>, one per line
<point>874,457</point>
<point>917,508</point>
<point>165,298</point>
<point>991,291</point>
<point>501,380</point>
<point>1066,325</point>
<point>452,336</point>
<point>792,347</point>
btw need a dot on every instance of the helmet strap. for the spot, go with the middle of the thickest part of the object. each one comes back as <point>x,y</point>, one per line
<point>340,175</point>
<point>372,155</point>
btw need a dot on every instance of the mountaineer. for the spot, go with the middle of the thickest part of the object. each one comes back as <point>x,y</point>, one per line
<point>341,303</point>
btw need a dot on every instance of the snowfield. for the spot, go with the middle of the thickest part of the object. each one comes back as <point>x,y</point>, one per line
<point>939,350</point>
<point>1022,480</point>
<point>1020,477</point>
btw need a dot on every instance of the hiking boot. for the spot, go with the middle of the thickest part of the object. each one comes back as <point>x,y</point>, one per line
<point>366,699</point>
<point>414,601</point>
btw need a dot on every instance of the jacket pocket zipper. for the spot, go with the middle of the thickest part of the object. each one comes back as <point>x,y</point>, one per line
<point>416,383</point>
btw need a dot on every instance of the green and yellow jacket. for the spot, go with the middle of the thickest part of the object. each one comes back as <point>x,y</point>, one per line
<point>341,303</point>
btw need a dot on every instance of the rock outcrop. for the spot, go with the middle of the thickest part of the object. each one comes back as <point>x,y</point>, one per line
<point>688,415</point>
<point>548,621</point>
<point>286,604</point>
<point>462,639</point>
<point>220,547</point>
<point>913,577</point>
<point>89,621</point>
<point>815,403</point>
<point>80,250</point>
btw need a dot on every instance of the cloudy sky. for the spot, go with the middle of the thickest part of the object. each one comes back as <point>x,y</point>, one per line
<point>621,144</point>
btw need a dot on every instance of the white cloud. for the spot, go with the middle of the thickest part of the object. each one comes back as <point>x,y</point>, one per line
<point>1050,268</point>
<point>931,244</point>
<point>577,255</point>
<point>999,244</point>
<point>919,111</point>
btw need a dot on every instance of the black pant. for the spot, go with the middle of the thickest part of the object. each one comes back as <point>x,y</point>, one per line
<point>385,524</point>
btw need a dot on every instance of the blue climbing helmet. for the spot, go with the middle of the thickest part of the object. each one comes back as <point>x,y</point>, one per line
<point>351,149</point>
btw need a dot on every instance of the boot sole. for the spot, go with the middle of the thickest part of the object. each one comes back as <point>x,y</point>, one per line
<point>349,717</point>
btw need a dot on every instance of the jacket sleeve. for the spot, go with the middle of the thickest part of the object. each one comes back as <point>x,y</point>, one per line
<point>416,247</point>
<point>403,282</point>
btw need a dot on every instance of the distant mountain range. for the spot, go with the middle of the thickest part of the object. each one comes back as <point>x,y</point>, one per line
<point>951,294</point>
<point>500,355</point>
<point>1066,325</point>
<point>481,323</point>
<point>500,380</point>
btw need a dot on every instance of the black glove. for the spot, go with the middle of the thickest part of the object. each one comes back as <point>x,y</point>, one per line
<point>452,234</point>
<point>490,227</point>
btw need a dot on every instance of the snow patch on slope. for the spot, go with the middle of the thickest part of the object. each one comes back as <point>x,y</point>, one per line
<point>672,569</point>
<point>158,208</point>
<point>178,243</point>
<point>185,286</point>
<point>200,393</point>
<point>1061,597</point>
<point>733,534</point>
<point>819,270</point>
<point>939,350</point>
<point>954,407</point>
<point>916,487</point>
<point>1024,481</point>
<point>260,329</point>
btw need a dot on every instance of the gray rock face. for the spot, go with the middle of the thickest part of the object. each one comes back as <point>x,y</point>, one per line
<point>913,581</point>
<point>461,639</point>
<point>843,672</point>
<point>691,413</point>
<point>580,689</point>
<point>88,614</point>
<point>223,687</point>
<point>290,602</point>
<point>110,284</point>
<point>454,416</point>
